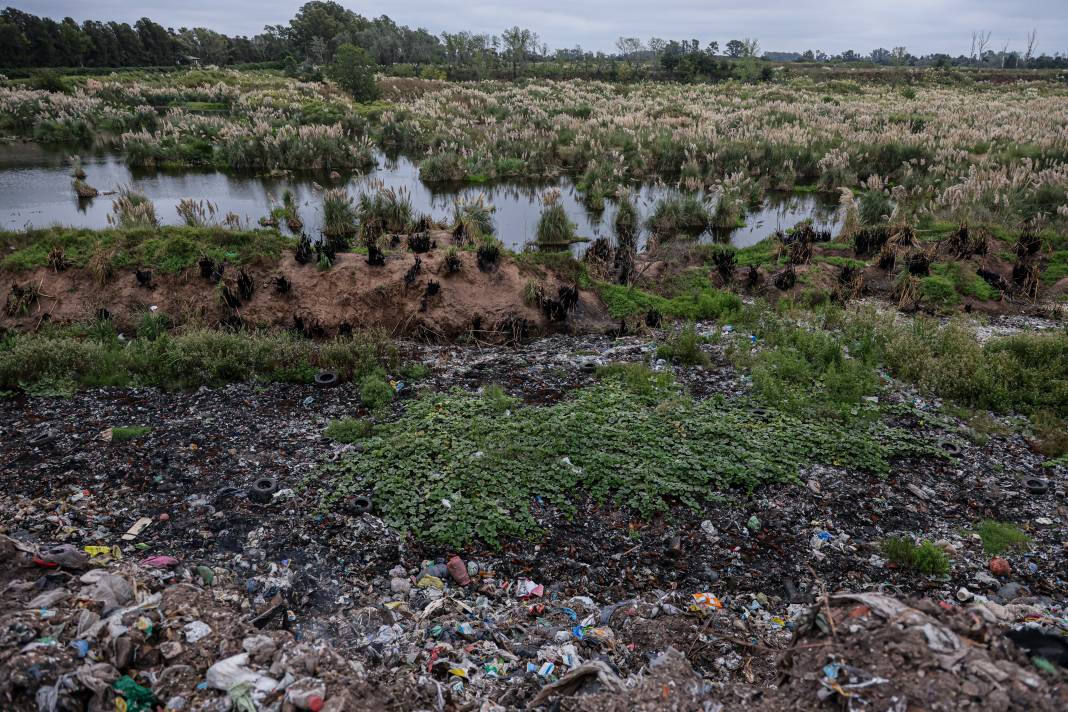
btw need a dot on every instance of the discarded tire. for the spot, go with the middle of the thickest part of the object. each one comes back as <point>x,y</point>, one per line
<point>46,438</point>
<point>361,504</point>
<point>949,447</point>
<point>263,489</point>
<point>760,412</point>
<point>588,367</point>
<point>326,379</point>
<point>1036,485</point>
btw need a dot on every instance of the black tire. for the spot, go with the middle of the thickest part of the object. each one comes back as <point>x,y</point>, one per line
<point>588,367</point>
<point>1036,485</point>
<point>263,489</point>
<point>361,504</point>
<point>950,448</point>
<point>41,439</point>
<point>327,379</point>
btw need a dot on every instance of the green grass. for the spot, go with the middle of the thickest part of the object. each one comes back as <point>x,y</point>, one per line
<point>1021,373</point>
<point>61,361</point>
<point>924,557</point>
<point>168,249</point>
<point>965,281</point>
<point>1056,268</point>
<point>938,291</point>
<point>638,378</point>
<point>129,432</point>
<point>809,369</point>
<point>999,537</point>
<point>348,430</point>
<point>839,261</point>
<point>639,448</point>
<point>701,303</point>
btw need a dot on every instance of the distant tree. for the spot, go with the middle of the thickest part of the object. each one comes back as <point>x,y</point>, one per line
<point>518,43</point>
<point>880,56</point>
<point>74,43</point>
<point>1032,42</point>
<point>354,71</point>
<point>735,48</point>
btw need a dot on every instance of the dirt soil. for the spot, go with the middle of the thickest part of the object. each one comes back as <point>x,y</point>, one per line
<point>616,606</point>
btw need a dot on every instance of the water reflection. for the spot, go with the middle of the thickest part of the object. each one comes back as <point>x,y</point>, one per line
<point>35,191</point>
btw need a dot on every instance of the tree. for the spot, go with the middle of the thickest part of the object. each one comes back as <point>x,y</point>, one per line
<point>980,40</point>
<point>735,48</point>
<point>518,43</point>
<point>354,71</point>
<point>1032,42</point>
<point>319,26</point>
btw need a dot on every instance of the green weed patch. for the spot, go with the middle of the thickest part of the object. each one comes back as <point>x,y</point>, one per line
<point>460,466</point>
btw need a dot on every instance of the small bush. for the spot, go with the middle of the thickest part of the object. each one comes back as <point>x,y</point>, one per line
<point>498,398</point>
<point>679,214</point>
<point>375,392</point>
<point>999,537</point>
<point>875,207</point>
<point>554,230</point>
<point>924,557</point>
<point>684,348</point>
<point>348,430</point>
<point>938,291</point>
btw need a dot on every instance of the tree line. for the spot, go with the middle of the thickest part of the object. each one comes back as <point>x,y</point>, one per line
<point>321,27</point>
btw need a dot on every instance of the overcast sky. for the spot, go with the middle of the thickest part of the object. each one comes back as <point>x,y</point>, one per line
<point>922,26</point>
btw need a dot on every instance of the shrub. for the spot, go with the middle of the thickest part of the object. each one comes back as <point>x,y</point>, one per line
<point>925,557</point>
<point>48,80</point>
<point>375,391</point>
<point>348,430</point>
<point>679,214</point>
<point>554,230</point>
<point>874,207</point>
<point>354,71</point>
<point>684,348</point>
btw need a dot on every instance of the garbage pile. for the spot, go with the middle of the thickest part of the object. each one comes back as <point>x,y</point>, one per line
<point>85,629</point>
<point>873,651</point>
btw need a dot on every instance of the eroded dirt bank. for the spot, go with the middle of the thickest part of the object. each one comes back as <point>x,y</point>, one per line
<point>413,295</point>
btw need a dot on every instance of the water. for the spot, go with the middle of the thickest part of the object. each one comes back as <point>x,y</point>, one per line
<point>35,191</point>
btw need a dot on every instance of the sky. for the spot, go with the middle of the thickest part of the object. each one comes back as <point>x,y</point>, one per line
<point>922,26</point>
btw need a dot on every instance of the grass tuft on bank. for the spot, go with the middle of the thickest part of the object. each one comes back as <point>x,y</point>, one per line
<point>168,249</point>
